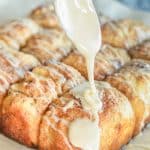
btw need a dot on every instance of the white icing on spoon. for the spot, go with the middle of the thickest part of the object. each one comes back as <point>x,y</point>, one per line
<point>81,23</point>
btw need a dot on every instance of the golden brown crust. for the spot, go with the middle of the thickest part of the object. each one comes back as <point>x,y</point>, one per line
<point>17,32</point>
<point>108,60</point>
<point>53,45</point>
<point>18,117</point>
<point>112,34</point>
<point>116,130</point>
<point>124,33</point>
<point>45,17</point>
<point>141,51</point>
<point>27,101</point>
<point>133,80</point>
<point>23,107</point>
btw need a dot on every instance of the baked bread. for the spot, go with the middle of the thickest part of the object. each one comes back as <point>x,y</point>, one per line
<point>133,80</point>
<point>108,60</point>
<point>27,100</point>
<point>45,17</point>
<point>39,109</point>
<point>15,63</point>
<point>25,61</point>
<point>116,120</point>
<point>51,45</point>
<point>17,32</point>
<point>141,51</point>
<point>124,33</point>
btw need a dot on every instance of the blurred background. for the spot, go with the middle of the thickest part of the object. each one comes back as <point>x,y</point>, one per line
<point>116,9</point>
<point>143,5</point>
<point>134,9</point>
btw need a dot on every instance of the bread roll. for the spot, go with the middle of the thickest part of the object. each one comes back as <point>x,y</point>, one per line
<point>51,45</point>
<point>141,51</point>
<point>17,32</point>
<point>134,81</point>
<point>108,60</point>
<point>45,17</point>
<point>116,120</point>
<point>125,33</point>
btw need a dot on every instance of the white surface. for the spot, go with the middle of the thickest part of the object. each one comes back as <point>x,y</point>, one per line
<point>7,144</point>
<point>12,9</point>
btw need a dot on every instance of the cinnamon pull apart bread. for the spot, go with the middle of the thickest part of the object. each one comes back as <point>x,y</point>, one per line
<point>108,60</point>
<point>17,32</point>
<point>45,16</point>
<point>27,100</point>
<point>116,120</point>
<point>52,45</point>
<point>124,33</point>
<point>134,81</point>
<point>141,51</point>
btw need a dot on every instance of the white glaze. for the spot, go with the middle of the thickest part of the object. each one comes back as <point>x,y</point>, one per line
<point>83,93</point>
<point>81,23</point>
<point>85,134</point>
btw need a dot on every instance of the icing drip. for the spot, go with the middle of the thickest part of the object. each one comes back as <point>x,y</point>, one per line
<point>85,133</point>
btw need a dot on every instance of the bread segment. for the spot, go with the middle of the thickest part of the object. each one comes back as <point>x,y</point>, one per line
<point>48,45</point>
<point>17,32</point>
<point>134,81</point>
<point>125,33</point>
<point>116,120</point>
<point>141,51</point>
<point>27,100</point>
<point>107,61</point>
<point>45,16</point>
